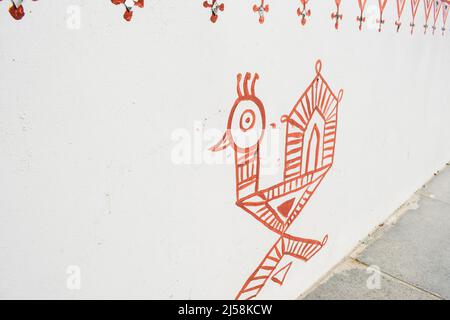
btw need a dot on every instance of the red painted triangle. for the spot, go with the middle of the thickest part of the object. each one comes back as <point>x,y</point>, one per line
<point>281,274</point>
<point>286,207</point>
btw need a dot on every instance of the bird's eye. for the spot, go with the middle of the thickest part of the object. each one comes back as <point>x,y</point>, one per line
<point>247,121</point>
<point>246,124</point>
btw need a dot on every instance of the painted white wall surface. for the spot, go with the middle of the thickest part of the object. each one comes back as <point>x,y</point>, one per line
<point>91,121</point>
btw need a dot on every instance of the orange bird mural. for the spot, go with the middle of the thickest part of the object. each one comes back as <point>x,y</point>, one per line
<point>309,153</point>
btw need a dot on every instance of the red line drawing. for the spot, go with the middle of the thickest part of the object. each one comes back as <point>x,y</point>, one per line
<point>444,17</point>
<point>437,10</point>
<point>309,154</point>
<point>381,5</point>
<point>414,6</point>
<point>280,276</point>
<point>400,7</point>
<point>428,6</point>
<point>215,7</point>
<point>129,7</point>
<point>303,11</point>
<point>336,16</point>
<point>361,19</point>
<point>16,9</point>
<point>261,9</point>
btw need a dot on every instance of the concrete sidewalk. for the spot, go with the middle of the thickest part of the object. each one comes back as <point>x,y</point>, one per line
<point>407,258</point>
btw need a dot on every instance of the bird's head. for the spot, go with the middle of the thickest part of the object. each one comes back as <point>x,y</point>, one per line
<point>247,119</point>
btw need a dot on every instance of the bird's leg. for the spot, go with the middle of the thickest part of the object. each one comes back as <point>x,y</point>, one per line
<point>286,245</point>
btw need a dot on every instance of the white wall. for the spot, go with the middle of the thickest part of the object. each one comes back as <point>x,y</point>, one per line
<point>86,124</point>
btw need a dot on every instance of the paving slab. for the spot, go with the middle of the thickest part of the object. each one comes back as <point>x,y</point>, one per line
<point>416,249</point>
<point>439,187</point>
<point>351,284</point>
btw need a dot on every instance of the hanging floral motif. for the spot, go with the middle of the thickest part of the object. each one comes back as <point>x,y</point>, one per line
<point>129,6</point>
<point>16,9</point>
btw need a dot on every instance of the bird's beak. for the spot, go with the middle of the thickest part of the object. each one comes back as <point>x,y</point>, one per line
<point>223,143</point>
